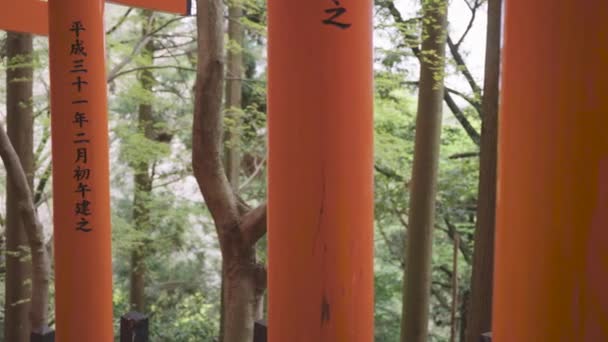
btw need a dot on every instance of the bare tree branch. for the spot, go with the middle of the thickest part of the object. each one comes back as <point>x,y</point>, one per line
<point>473,9</point>
<point>388,172</point>
<point>464,155</point>
<point>469,129</point>
<point>35,235</point>
<point>459,115</point>
<point>452,232</point>
<point>41,187</point>
<point>141,43</point>
<point>473,102</point>
<point>256,172</point>
<point>121,21</point>
<point>462,66</point>
<point>151,67</point>
<point>253,225</point>
<point>46,135</point>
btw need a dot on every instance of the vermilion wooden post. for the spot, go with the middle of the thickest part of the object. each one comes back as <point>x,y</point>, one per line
<point>552,221</point>
<point>320,171</point>
<point>79,130</point>
<point>81,197</point>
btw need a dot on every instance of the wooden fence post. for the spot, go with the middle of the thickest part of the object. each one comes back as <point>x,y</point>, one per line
<point>134,327</point>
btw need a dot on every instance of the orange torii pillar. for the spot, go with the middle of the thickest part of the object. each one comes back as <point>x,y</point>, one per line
<point>551,270</point>
<point>81,189</point>
<point>320,195</point>
<point>79,131</point>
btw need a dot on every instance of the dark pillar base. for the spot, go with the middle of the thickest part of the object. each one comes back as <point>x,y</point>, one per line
<point>134,327</point>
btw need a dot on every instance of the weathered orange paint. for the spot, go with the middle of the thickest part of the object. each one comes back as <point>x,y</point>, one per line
<point>83,260</point>
<point>552,212</point>
<point>28,16</point>
<point>320,210</point>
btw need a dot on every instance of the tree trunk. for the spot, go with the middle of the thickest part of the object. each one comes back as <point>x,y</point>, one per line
<point>240,296</point>
<point>417,280</point>
<point>142,180</point>
<point>20,130</point>
<point>19,167</point>
<point>464,309</point>
<point>234,91</point>
<point>237,226</point>
<point>480,313</point>
<point>234,83</point>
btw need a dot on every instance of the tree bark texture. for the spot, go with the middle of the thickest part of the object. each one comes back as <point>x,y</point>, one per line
<point>417,279</point>
<point>480,313</point>
<point>20,178</point>
<point>20,130</point>
<point>237,226</point>
<point>234,84</point>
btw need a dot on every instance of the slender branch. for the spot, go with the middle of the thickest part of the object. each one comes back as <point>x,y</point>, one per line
<point>138,47</point>
<point>395,255</point>
<point>452,232</point>
<point>253,225</point>
<point>473,102</point>
<point>255,173</point>
<point>167,23</point>
<point>459,115</point>
<point>464,155</point>
<point>46,135</point>
<point>438,293</point>
<point>34,232</point>
<point>454,288</point>
<point>41,187</point>
<point>471,21</point>
<point>469,129</point>
<point>462,66</point>
<point>136,50</point>
<point>121,21</point>
<point>150,67</point>
<point>388,173</point>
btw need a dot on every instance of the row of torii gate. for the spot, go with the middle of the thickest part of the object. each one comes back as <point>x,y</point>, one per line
<point>551,268</point>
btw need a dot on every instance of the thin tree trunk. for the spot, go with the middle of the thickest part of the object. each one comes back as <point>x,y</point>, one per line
<point>234,83</point>
<point>238,227</point>
<point>454,320</point>
<point>480,313</point>
<point>464,309</point>
<point>143,181</point>
<point>417,280</point>
<point>20,130</point>
<point>41,264</point>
